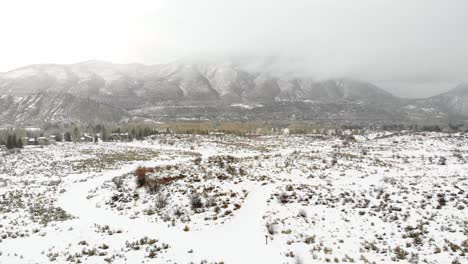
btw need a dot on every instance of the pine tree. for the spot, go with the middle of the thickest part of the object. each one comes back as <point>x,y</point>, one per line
<point>58,137</point>
<point>104,134</point>
<point>10,143</point>
<point>67,137</point>
<point>76,134</point>
<point>19,143</point>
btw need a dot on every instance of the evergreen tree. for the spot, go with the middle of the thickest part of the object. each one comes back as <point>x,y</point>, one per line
<point>58,137</point>
<point>19,143</point>
<point>67,137</point>
<point>76,134</point>
<point>104,134</point>
<point>10,143</point>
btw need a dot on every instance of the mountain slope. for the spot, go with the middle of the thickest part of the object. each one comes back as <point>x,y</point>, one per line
<point>453,102</point>
<point>184,90</point>
<point>43,107</point>
<point>132,85</point>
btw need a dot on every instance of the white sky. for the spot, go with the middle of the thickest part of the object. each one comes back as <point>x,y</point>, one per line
<point>397,40</point>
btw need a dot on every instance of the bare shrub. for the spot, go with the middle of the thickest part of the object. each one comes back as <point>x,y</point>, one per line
<point>242,172</point>
<point>309,239</point>
<point>161,201</point>
<point>178,212</point>
<point>118,182</point>
<point>441,200</point>
<point>195,201</point>
<point>231,170</point>
<point>140,181</point>
<point>153,187</point>
<point>271,228</point>
<point>442,161</point>
<point>302,213</point>
<point>210,201</point>
<point>283,198</point>
<point>400,253</point>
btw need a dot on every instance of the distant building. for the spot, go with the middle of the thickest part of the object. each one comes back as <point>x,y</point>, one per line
<point>31,141</point>
<point>119,137</point>
<point>32,129</point>
<point>216,134</point>
<point>43,141</point>
<point>87,138</point>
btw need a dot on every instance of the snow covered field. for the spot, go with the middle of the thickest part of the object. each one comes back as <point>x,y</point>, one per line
<point>378,198</point>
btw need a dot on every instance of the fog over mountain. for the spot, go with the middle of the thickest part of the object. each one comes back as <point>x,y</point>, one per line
<point>99,91</point>
<point>409,89</point>
<point>403,45</point>
<point>172,59</point>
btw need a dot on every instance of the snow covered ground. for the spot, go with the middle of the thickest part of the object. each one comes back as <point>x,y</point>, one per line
<point>379,198</point>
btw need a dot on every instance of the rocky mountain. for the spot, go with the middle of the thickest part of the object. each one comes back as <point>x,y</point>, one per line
<point>453,102</point>
<point>131,85</point>
<point>213,90</point>
<point>50,107</point>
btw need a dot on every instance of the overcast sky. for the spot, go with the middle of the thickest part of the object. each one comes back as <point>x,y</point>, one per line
<point>393,41</point>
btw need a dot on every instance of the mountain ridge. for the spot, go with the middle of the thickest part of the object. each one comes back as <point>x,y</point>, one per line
<point>55,108</point>
<point>153,90</point>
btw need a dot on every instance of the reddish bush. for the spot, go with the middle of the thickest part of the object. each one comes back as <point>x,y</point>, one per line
<point>140,172</point>
<point>167,180</point>
<point>142,179</point>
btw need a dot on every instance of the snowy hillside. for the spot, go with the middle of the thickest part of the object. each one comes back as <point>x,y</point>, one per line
<point>155,90</point>
<point>184,81</point>
<point>49,107</point>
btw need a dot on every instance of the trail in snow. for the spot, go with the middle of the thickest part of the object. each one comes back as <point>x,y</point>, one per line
<point>240,240</point>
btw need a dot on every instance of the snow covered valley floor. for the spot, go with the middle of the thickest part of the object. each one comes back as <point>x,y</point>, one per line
<point>378,198</point>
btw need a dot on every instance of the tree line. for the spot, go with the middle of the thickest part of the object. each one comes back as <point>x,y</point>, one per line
<point>13,142</point>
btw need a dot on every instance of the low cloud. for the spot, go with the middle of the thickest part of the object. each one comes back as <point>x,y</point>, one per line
<point>375,40</point>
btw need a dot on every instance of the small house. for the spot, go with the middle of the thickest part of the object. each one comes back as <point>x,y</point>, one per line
<point>31,141</point>
<point>87,138</point>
